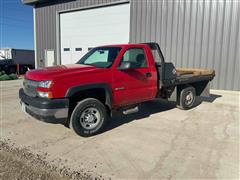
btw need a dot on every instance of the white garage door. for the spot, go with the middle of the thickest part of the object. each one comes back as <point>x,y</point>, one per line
<point>81,30</point>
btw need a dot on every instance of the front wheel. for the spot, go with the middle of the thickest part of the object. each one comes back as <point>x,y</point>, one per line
<point>89,117</point>
<point>186,98</point>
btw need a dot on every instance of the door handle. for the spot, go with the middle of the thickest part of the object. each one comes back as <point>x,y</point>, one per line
<point>148,74</point>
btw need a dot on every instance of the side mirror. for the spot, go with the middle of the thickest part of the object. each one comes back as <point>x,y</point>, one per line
<point>124,66</point>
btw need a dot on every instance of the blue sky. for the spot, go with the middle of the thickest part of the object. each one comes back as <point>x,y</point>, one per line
<point>16,25</point>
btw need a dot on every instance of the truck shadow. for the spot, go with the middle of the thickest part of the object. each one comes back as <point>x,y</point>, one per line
<point>145,110</point>
<point>148,108</point>
<point>210,99</point>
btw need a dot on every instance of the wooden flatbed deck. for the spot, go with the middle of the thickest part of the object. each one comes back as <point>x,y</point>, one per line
<point>195,72</point>
<point>188,75</point>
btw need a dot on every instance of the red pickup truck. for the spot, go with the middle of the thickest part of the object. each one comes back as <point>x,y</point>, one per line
<point>105,79</point>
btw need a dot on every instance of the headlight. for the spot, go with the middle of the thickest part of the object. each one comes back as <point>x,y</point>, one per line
<point>45,84</point>
<point>42,94</point>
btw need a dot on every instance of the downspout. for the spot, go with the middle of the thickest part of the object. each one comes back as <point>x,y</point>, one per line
<point>35,37</point>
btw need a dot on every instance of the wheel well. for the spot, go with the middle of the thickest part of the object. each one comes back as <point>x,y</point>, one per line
<point>97,93</point>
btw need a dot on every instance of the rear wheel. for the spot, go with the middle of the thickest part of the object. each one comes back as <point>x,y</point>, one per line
<point>89,117</point>
<point>186,98</point>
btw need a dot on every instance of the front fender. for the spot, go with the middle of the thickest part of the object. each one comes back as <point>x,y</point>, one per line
<point>108,91</point>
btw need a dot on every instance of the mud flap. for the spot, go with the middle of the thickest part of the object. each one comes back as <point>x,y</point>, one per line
<point>206,91</point>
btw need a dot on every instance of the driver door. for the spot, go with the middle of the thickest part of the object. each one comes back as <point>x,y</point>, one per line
<point>133,85</point>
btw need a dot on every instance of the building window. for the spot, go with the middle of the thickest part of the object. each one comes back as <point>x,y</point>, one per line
<point>66,49</point>
<point>78,49</point>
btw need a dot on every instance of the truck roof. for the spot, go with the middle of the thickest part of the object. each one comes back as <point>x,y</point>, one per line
<point>123,45</point>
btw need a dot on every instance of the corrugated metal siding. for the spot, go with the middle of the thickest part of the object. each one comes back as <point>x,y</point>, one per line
<point>46,23</point>
<point>193,33</point>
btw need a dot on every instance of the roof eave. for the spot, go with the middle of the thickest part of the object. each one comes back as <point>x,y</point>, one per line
<point>30,2</point>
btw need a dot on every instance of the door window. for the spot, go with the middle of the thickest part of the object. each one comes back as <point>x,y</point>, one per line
<point>136,56</point>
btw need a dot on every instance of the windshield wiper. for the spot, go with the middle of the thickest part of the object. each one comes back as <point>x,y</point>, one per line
<point>90,65</point>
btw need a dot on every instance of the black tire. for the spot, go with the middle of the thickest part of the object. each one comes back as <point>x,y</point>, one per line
<point>183,102</point>
<point>81,113</point>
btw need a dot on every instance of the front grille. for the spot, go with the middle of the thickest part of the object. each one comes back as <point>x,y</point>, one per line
<point>30,87</point>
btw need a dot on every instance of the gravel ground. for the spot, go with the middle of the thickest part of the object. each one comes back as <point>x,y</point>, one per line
<point>19,164</point>
<point>159,142</point>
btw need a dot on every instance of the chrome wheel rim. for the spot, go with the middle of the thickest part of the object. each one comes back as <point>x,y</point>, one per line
<point>90,118</point>
<point>189,98</point>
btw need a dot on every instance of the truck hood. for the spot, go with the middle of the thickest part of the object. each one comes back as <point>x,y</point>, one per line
<point>61,71</point>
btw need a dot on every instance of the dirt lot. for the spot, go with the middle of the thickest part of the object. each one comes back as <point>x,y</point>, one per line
<point>160,142</point>
<point>20,164</point>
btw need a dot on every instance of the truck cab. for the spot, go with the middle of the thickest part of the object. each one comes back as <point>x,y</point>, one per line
<point>108,78</point>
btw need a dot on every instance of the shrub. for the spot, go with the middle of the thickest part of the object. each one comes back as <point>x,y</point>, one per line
<point>13,76</point>
<point>4,77</point>
<point>2,73</point>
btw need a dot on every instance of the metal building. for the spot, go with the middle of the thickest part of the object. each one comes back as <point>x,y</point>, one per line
<point>191,33</point>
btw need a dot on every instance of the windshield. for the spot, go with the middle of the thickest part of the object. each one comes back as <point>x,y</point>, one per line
<point>102,57</point>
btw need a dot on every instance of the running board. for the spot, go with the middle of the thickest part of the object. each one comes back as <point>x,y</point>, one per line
<point>131,111</point>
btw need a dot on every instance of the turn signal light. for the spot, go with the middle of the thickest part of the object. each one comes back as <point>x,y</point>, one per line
<point>45,94</point>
